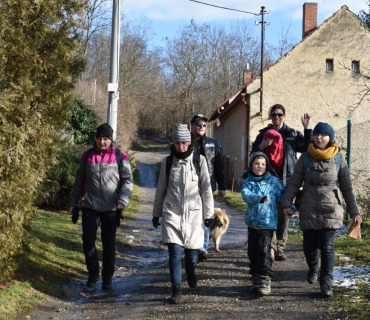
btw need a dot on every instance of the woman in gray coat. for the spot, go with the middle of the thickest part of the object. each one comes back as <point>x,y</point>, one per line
<point>326,182</point>
<point>184,201</point>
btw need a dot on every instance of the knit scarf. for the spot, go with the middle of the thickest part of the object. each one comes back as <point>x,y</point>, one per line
<point>319,154</point>
<point>181,155</point>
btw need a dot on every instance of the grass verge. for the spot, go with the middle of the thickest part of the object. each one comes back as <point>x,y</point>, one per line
<point>54,255</point>
<point>234,200</point>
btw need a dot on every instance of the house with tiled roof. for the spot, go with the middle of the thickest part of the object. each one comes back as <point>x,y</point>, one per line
<point>320,75</point>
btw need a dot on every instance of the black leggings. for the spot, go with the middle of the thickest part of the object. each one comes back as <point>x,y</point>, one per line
<point>108,225</point>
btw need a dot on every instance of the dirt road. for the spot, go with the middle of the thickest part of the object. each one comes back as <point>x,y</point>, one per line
<point>141,286</point>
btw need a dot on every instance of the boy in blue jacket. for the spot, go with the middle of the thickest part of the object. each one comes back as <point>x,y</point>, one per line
<point>262,191</point>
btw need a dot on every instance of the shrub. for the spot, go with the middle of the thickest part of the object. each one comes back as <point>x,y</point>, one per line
<point>83,122</point>
<point>39,59</point>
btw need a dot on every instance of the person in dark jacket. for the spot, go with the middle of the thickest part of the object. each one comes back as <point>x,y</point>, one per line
<point>293,142</point>
<point>326,182</point>
<point>105,183</point>
<point>209,148</point>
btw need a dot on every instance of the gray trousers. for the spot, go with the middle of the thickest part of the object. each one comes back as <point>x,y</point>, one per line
<point>281,234</point>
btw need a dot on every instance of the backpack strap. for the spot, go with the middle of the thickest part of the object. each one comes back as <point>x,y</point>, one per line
<point>338,161</point>
<point>196,162</point>
<point>88,152</point>
<point>169,161</point>
<point>118,157</point>
<point>307,156</point>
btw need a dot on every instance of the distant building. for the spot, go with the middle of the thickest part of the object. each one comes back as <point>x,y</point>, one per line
<point>319,76</point>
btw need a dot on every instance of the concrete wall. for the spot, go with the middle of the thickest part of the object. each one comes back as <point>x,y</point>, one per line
<point>231,136</point>
<point>299,81</point>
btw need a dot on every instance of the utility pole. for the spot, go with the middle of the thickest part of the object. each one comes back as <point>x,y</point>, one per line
<point>113,93</point>
<point>262,13</point>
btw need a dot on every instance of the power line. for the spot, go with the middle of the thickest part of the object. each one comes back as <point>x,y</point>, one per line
<point>212,5</point>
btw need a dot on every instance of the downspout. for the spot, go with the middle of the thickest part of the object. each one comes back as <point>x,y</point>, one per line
<point>247,127</point>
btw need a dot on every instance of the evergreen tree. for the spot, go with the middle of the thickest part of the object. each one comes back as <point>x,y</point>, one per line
<point>40,56</point>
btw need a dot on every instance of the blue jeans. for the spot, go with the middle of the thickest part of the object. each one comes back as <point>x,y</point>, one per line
<point>191,259</point>
<point>207,231</point>
<point>313,240</point>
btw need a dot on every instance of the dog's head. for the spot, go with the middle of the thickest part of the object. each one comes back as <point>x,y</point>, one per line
<point>218,222</point>
<point>219,217</point>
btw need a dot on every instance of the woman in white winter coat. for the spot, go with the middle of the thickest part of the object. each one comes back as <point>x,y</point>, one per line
<point>184,201</point>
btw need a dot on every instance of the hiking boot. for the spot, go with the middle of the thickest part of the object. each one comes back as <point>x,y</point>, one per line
<point>264,286</point>
<point>312,275</point>
<point>107,283</point>
<point>202,255</point>
<point>280,256</point>
<point>176,294</point>
<point>92,280</point>
<point>255,283</point>
<point>192,279</point>
<point>326,291</point>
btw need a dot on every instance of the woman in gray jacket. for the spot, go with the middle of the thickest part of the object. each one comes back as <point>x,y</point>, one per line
<point>104,181</point>
<point>184,201</point>
<point>326,182</point>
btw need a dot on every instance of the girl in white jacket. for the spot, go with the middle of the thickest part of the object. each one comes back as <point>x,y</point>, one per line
<point>184,201</point>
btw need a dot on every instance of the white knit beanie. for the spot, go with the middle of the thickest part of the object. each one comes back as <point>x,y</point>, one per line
<point>181,133</point>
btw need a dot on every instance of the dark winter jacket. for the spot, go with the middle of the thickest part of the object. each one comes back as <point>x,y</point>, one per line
<point>323,192</point>
<point>294,142</point>
<point>209,148</point>
<point>100,182</point>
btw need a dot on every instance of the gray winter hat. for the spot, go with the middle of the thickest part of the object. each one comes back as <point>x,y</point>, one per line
<point>181,133</point>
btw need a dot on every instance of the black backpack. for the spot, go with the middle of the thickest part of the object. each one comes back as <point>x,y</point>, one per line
<point>169,161</point>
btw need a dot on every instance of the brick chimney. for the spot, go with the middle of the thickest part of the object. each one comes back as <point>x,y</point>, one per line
<point>246,76</point>
<point>309,18</point>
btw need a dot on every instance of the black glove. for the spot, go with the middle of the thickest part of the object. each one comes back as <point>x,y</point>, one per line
<point>208,222</point>
<point>75,214</point>
<point>156,223</point>
<point>263,199</point>
<point>119,216</point>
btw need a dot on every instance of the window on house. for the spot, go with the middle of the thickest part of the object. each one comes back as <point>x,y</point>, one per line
<point>329,64</point>
<point>356,66</point>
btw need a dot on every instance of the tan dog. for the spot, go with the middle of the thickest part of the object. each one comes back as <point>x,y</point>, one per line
<point>219,227</point>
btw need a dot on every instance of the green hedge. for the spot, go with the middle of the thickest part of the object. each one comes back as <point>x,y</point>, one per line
<point>39,59</point>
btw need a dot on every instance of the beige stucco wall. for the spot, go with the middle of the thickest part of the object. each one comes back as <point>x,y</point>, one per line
<point>231,136</point>
<point>299,81</point>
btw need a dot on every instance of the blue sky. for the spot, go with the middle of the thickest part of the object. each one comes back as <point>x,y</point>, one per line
<point>166,17</point>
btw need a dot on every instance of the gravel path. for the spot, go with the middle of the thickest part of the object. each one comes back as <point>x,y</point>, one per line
<point>141,286</point>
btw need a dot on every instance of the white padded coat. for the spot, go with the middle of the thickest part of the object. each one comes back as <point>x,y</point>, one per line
<point>185,203</point>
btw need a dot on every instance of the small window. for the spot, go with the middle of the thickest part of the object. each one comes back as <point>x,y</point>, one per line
<point>329,64</point>
<point>356,66</point>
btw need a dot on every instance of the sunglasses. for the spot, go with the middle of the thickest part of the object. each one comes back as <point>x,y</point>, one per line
<point>201,124</point>
<point>276,115</point>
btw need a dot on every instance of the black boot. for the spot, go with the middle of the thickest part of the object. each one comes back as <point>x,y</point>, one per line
<point>255,283</point>
<point>107,283</point>
<point>326,291</point>
<point>92,280</point>
<point>312,275</point>
<point>192,279</point>
<point>176,294</point>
